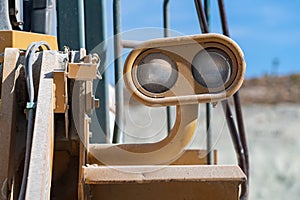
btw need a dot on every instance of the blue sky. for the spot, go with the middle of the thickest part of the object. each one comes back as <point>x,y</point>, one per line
<point>265,30</point>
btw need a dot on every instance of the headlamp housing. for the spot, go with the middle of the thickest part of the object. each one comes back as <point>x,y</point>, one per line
<point>185,70</point>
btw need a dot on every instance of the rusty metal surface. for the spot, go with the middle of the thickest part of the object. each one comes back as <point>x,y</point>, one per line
<point>40,170</point>
<point>7,117</point>
<point>60,88</point>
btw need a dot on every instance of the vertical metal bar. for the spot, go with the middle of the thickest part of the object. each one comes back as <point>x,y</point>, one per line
<point>166,18</point>
<point>27,8</point>
<point>7,119</point>
<point>239,114</point>
<point>95,23</point>
<point>118,127</point>
<point>67,24</point>
<point>166,34</point>
<point>236,96</point>
<point>42,17</point>
<point>209,147</point>
<point>41,156</point>
<point>4,15</point>
<point>241,127</point>
<point>203,17</point>
<point>81,23</point>
<point>240,152</point>
<point>223,17</point>
<point>207,11</point>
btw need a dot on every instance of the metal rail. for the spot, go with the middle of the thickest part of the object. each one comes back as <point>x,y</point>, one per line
<point>239,114</point>
<point>118,127</point>
<point>96,43</point>
<point>81,24</point>
<point>238,136</point>
<point>203,17</point>
<point>167,34</point>
<point>7,119</point>
<point>209,116</point>
<point>130,44</point>
<point>237,145</point>
<point>166,18</point>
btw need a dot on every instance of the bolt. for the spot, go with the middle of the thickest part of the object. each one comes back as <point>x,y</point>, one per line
<point>96,103</point>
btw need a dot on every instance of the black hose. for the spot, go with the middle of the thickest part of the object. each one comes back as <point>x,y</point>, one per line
<point>33,47</point>
<point>28,65</point>
<point>27,153</point>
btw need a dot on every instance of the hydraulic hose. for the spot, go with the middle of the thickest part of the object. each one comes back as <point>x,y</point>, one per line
<point>33,47</point>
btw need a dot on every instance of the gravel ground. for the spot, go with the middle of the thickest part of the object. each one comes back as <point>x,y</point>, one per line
<point>274,143</point>
<point>272,133</point>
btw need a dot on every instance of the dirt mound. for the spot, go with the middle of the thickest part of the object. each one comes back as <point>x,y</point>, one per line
<point>271,90</point>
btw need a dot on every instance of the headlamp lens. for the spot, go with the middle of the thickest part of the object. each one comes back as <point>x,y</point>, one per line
<point>211,68</point>
<point>157,72</point>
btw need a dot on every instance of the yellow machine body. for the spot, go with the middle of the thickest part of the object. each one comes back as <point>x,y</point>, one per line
<point>63,163</point>
<point>21,40</point>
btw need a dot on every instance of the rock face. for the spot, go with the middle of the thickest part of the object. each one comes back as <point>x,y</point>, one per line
<point>271,90</point>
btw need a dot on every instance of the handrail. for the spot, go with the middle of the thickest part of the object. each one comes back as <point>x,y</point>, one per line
<point>237,135</point>
<point>118,127</point>
<point>239,115</point>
